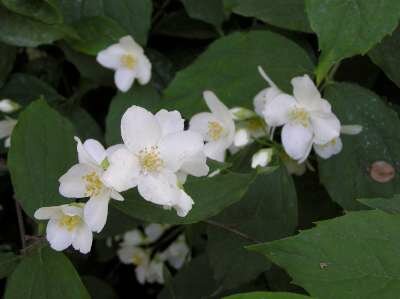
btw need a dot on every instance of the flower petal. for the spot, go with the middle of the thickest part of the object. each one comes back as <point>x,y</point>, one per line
<point>133,238</point>
<point>115,195</point>
<point>111,56</point>
<point>58,237</point>
<point>6,127</point>
<point>326,151</point>
<point>183,204</point>
<point>200,123</point>
<point>139,129</point>
<point>195,165</point>
<point>326,127</point>
<point>47,213</point>
<point>144,70</point>
<point>263,98</point>
<point>351,129</point>
<point>123,171</point>
<point>217,108</point>
<point>215,150</point>
<point>125,254</point>
<point>130,45</point>
<point>170,121</point>
<point>82,239</point>
<point>95,150</point>
<point>276,113</point>
<point>297,140</point>
<point>124,79</point>
<point>305,92</point>
<point>72,184</point>
<point>96,211</point>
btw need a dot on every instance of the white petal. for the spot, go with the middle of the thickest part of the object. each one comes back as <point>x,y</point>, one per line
<point>111,57</point>
<point>326,127</point>
<point>351,129</point>
<point>200,123</point>
<point>141,273</point>
<point>72,184</point>
<point>47,213</point>
<point>113,148</point>
<point>95,150</point>
<point>176,148</point>
<point>123,171</point>
<point>305,92</point>
<point>263,98</point>
<point>58,237</point>
<point>326,151</point>
<point>297,140</point>
<point>117,196</point>
<point>170,121</point>
<point>125,254</point>
<point>242,137</point>
<point>183,204</point>
<point>215,150</point>
<point>6,127</point>
<point>153,231</point>
<point>7,142</point>
<point>266,77</point>
<point>159,188</point>
<point>83,156</point>
<point>276,113</point>
<point>130,45</point>
<point>133,238</point>
<point>261,158</point>
<point>124,78</point>
<point>73,209</point>
<point>195,165</point>
<point>217,108</point>
<point>139,129</point>
<point>155,272</point>
<point>82,239</point>
<point>96,211</point>
<point>144,70</point>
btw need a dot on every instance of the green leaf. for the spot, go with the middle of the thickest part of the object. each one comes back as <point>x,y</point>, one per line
<point>85,125</point>
<point>379,141</point>
<point>210,196</point>
<point>98,289</point>
<point>267,295</point>
<point>144,96</point>
<point>95,34</point>
<point>353,256</point>
<point>229,68</point>
<point>288,14</point>
<point>8,262</point>
<point>348,28</point>
<point>117,223</point>
<point>46,11</point>
<point>45,274</point>
<point>209,11</point>
<point>42,149</point>
<point>7,54</point>
<point>268,211</point>
<point>388,205</point>
<point>25,32</point>
<point>387,56</point>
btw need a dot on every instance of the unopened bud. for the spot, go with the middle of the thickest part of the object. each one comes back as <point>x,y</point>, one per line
<point>262,158</point>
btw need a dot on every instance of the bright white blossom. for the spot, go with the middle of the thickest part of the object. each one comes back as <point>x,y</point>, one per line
<point>217,127</point>
<point>306,118</point>
<point>155,149</point>
<point>85,180</point>
<point>66,227</point>
<point>7,125</point>
<point>262,158</point>
<point>128,60</point>
<point>8,106</point>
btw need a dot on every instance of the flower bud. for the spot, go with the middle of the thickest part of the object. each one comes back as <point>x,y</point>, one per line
<point>239,113</point>
<point>262,158</point>
<point>8,106</point>
<point>242,137</point>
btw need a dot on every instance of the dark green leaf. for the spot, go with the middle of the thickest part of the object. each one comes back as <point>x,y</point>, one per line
<point>42,149</point>
<point>98,289</point>
<point>45,274</point>
<point>388,205</point>
<point>267,295</point>
<point>229,68</point>
<point>347,175</point>
<point>7,54</point>
<point>346,257</point>
<point>8,262</point>
<point>209,11</point>
<point>85,125</point>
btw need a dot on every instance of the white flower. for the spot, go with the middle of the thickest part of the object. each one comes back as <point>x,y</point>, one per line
<point>7,125</point>
<point>85,180</point>
<point>129,62</point>
<point>306,118</point>
<point>133,238</point>
<point>8,106</point>
<point>152,155</point>
<point>66,226</point>
<point>335,146</point>
<point>154,231</point>
<point>177,253</point>
<point>262,158</point>
<point>217,127</point>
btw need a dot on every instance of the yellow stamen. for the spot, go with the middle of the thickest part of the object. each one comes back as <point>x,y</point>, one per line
<point>93,184</point>
<point>150,160</point>
<point>300,116</point>
<point>69,222</point>
<point>215,130</point>
<point>128,61</point>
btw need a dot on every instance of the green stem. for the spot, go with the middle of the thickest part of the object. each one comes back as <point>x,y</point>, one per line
<point>232,230</point>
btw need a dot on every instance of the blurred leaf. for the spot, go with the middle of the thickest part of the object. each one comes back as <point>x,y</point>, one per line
<point>209,11</point>
<point>288,14</point>
<point>210,195</point>
<point>388,205</point>
<point>267,295</point>
<point>345,257</point>
<point>85,125</point>
<point>144,96</point>
<point>45,274</point>
<point>387,56</point>
<point>98,289</point>
<point>7,54</point>
<point>46,11</point>
<point>379,141</point>
<point>96,34</point>
<point>42,149</point>
<point>8,262</point>
<point>163,70</point>
<point>349,28</point>
<point>267,212</point>
<point>229,68</point>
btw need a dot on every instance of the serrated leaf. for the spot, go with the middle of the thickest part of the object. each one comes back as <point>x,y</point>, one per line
<point>229,68</point>
<point>379,141</point>
<point>347,257</point>
<point>8,262</point>
<point>388,205</point>
<point>7,54</point>
<point>348,28</point>
<point>209,11</point>
<point>288,14</point>
<point>387,56</point>
<point>210,196</point>
<point>45,274</point>
<point>268,211</point>
<point>267,295</point>
<point>42,149</point>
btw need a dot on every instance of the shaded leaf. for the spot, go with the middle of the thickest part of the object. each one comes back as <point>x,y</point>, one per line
<point>7,54</point>
<point>8,262</point>
<point>388,205</point>
<point>209,11</point>
<point>267,295</point>
<point>98,289</point>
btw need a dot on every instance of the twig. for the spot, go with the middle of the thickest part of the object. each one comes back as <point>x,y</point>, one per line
<point>232,230</point>
<point>21,225</point>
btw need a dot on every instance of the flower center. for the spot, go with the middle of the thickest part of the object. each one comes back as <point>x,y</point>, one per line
<point>150,160</point>
<point>93,184</point>
<point>215,130</point>
<point>69,222</point>
<point>300,115</point>
<point>128,61</point>
<point>137,259</point>
<point>254,124</point>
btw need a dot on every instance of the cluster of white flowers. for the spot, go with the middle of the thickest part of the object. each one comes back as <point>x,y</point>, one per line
<point>8,124</point>
<point>136,249</point>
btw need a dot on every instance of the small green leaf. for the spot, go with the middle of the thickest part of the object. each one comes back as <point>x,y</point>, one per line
<point>8,262</point>
<point>267,295</point>
<point>348,257</point>
<point>45,274</point>
<point>388,205</point>
<point>7,54</point>
<point>42,149</point>
<point>209,11</point>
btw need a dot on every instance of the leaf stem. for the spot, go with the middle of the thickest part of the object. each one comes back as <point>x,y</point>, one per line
<point>232,230</point>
